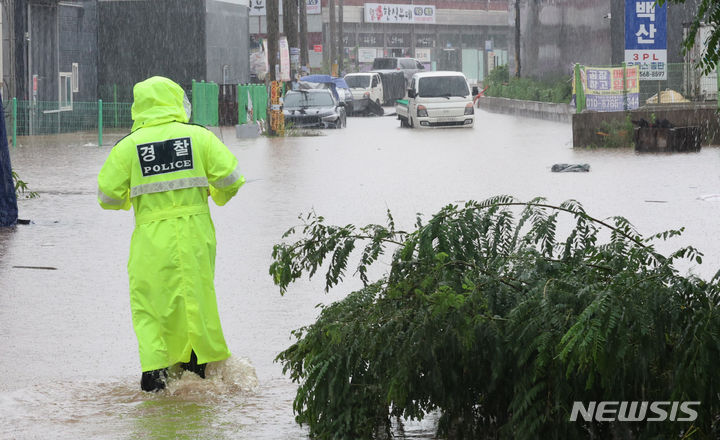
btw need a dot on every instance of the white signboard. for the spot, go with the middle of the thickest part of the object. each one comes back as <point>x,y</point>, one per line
<point>366,54</point>
<point>284,59</point>
<point>646,38</point>
<point>387,13</point>
<point>257,7</point>
<point>423,54</point>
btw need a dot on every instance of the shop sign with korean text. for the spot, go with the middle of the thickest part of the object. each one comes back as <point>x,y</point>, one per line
<point>366,54</point>
<point>604,88</point>
<point>423,54</point>
<point>388,13</point>
<point>646,38</point>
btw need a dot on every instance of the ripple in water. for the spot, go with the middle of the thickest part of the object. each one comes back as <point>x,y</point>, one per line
<point>189,407</point>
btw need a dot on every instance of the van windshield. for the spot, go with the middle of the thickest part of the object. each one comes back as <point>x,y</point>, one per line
<point>442,86</point>
<point>358,81</point>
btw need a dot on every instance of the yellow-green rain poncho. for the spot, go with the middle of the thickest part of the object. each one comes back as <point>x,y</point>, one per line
<point>165,169</point>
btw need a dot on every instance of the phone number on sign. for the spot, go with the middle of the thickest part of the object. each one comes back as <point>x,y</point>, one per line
<point>652,74</point>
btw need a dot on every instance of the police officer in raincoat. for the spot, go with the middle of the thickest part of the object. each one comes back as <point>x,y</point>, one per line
<point>166,169</point>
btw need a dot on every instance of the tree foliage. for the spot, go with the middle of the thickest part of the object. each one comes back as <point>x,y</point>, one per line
<point>21,188</point>
<point>708,13</point>
<point>493,317</point>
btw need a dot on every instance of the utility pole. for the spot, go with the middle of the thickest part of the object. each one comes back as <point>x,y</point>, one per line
<point>333,35</point>
<point>290,28</point>
<point>304,56</point>
<point>290,22</point>
<point>517,38</point>
<point>412,31</point>
<point>273,31</point>
<point>341,38</point>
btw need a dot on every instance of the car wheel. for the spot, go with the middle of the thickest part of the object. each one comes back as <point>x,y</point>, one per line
<point>410,123</point>
<point>404,123</point>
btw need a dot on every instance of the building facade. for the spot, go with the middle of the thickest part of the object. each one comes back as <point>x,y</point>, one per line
<point>556,34</point>
<point>469,35</point>
<point>50,50</point>
<point>80,50</point>
<point>182,39</point>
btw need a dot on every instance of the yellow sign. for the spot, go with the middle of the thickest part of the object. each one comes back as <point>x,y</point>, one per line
<point>277,118</point>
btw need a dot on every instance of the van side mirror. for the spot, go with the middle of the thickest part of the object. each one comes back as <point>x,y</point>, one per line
<point>411,93</point>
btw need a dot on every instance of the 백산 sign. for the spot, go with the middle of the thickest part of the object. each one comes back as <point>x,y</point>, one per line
<point>387,13</point>
<point>646,38</point>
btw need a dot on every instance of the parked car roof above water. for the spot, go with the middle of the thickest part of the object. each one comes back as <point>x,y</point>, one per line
<point>314,97</point>
<point>439,73</point>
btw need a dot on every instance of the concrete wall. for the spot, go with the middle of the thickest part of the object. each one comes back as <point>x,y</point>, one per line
<point>60,34</point>
<point>44,50</point>
<point>532,109</point>
<point>78,44</point>
<point>555,34</point>
<point>140,39</point>
<point>587,125</point>
<point>227,42</point>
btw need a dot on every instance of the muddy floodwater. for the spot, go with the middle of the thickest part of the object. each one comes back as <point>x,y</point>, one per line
<point>68,357</point>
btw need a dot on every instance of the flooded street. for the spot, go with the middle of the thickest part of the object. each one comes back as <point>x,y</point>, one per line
<point>69,359</point>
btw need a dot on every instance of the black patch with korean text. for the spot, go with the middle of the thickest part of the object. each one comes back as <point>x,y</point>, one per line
<point>165,156</point>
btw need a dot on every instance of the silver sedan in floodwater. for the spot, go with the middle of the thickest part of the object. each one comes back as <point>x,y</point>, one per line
<point>314,108</point>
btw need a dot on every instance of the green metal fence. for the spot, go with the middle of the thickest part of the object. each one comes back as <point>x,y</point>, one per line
<point>682,78</point>
<point>46,117</point>
<point>252,103</point>
<point>27,118</point>
<point>205,103</point>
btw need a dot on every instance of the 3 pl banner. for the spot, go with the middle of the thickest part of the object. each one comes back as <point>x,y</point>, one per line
<point>646,38</point>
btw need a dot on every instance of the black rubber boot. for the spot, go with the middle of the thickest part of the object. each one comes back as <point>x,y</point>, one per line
<point>153,380</point>
<point>193,365</point>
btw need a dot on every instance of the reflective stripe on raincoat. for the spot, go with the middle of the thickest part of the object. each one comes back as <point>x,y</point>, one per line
<point>165,169</point>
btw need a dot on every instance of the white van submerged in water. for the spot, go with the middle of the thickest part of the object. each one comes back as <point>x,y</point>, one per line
<point>365,87</point>
<point>437,99</point>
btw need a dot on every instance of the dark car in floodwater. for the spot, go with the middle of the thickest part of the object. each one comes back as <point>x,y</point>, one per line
<point>314,108</point>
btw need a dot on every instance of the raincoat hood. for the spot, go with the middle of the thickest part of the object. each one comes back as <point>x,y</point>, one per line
<point>157,100</point>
